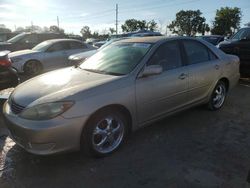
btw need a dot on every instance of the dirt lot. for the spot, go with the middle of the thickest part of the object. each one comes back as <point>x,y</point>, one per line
<point>195,148</point>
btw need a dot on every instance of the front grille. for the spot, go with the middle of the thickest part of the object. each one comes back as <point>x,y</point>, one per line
<point>16,108</point>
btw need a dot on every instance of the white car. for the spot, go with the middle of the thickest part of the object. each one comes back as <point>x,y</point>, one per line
<point>48,55</point>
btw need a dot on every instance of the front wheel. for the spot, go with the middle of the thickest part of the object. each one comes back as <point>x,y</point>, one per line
<point>105,133</point>
<point>218,96</point>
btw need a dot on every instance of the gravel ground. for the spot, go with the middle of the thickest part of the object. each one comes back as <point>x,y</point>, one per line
<point>195,148</point>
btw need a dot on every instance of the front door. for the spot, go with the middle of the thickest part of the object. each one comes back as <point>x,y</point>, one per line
<point>159,94</point>
<point>56,56</point>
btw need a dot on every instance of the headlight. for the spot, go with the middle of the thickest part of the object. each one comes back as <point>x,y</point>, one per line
<point>15,60</point>
<point>46,111</point>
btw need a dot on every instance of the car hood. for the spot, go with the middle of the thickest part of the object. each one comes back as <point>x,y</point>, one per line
<point>22,52</point>
<point>58,85</point>
<point>4,43</point>
<point>5,46</point>
<point>82,55</point>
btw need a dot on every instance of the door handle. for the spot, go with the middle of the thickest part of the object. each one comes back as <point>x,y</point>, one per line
<point>182,76</point>
<point>217,67</point>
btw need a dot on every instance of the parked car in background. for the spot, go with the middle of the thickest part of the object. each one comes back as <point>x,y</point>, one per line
<point>47,55</point>
<point>239,44</point>
<point>140,33</point>
<point>7,36</point>
<point>99,44</point>
<point>8,75</point>
<point>91,41</point>
<point>148,34</point>
<point>76,59</point>
<point>124,86</point>
<point>27,40</point>
<point>213,39</point>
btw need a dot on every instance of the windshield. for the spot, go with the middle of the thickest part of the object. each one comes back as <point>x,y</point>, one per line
<point>16,38</point>
<point>212,40</point>
<point>117,58</point>
<point>241,34</point>
<point>42,46</point>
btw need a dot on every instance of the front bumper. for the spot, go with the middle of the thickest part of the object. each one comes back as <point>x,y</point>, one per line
<point>45,137</point>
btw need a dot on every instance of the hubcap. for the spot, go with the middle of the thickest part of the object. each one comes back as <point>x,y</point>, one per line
<point>32,68</point>
<point>108,134</point>
<point>219,96</point>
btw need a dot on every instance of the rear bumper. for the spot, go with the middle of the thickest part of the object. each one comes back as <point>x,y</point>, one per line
<point>45,137</point>
<point>8,77</point>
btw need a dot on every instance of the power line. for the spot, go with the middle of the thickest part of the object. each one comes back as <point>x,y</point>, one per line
<point>116,19</point>
<point>160,6</point>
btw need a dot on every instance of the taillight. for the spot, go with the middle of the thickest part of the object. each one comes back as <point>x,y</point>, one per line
<point>5,62</point>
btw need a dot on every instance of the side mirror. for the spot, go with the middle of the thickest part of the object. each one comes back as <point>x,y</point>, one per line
<point>151,70</point>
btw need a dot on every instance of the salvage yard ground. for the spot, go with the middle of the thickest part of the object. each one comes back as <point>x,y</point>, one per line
<point>195,148</point>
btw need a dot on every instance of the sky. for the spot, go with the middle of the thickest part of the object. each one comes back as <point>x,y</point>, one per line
<point>99,15</point>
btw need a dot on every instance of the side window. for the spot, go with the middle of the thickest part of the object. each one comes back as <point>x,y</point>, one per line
<point>77,45</point>
<point>59,46</point>
<point>32,38</point>
<point>237,36</point>
<point>245,34</point>
<point>168,55</point>
<point>196,52</point>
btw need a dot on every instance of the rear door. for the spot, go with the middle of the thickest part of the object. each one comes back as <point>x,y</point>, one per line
<point>156,95</point>
<point>203,68</point>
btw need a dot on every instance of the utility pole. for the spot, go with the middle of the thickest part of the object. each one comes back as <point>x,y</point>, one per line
<point>32,26</point>
<point>116,18</point>
<point>57,22</point>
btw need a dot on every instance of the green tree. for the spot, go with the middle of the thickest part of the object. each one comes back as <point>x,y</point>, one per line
<point>86,33</point>
<point>55,29</point>
<point>4,30</point>
<point>226,21</point>
<point>152,25</point>
<point>188,23</point>
<point>112,30</point>
<point>205,28</point>
<point>131,25</point>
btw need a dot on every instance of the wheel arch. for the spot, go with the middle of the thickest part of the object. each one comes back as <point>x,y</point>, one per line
<point>29,60</point>
<point>115,107</point>
<point>226,81</point>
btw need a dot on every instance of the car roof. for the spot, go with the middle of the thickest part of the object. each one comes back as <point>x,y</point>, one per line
<point>62,40</point>
<point>153,39</point>
<point>211,36</point>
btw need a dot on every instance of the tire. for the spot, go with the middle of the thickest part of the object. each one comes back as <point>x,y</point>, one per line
<point>104,133</point>
<point>32,67</point>
<point>218,96</point>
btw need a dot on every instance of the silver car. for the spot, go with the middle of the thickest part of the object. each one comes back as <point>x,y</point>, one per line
<point>125,86</point>
<point>47,55</point>
<point>75,59</point>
